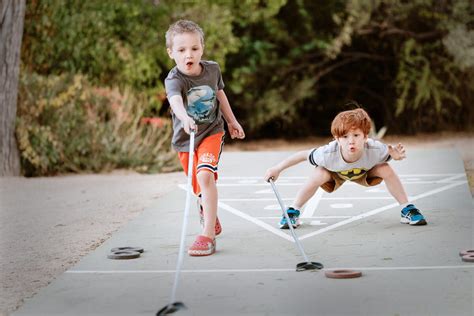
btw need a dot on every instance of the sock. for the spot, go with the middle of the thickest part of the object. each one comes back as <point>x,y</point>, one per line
<point>405,204</point>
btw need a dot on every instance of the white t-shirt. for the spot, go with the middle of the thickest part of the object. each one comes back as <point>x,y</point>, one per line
<point>329,156</point>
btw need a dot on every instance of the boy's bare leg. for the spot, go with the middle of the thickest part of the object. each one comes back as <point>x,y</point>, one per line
<point>209,201</point>
<point>392,181</point>
<point>317,177</point>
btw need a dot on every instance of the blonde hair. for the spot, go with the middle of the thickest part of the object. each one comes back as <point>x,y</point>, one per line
<point>347,120</point>
<point>181,27</point>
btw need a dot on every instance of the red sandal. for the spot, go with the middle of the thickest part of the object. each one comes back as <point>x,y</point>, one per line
<point>202,246</point>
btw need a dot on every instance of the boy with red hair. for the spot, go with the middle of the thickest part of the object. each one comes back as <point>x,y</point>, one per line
<point>352,156</point>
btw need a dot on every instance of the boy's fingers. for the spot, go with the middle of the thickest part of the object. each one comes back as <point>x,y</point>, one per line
<point>235,133</point>
<point>269,178</point>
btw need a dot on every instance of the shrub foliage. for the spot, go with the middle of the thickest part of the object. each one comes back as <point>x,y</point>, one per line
<point>67,125</point>
<point>289,67</point>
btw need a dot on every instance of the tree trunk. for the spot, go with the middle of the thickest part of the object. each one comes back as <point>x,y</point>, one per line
<point>12,14</point>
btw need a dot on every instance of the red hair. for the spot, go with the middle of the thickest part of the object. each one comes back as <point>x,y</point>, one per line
<point>347,120</point>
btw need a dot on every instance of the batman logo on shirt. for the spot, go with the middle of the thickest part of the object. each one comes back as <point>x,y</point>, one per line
<point>352,174</point>
<point>202,104</point>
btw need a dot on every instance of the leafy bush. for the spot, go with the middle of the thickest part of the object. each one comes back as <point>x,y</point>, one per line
<point>420,83</point>
<point>111,42</point>
<point>67,125</point>
<point>119,43</point>
<point>409,63</point>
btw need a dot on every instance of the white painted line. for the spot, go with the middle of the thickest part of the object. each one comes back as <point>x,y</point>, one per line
<point>313,217</point>
<point>323,198</point>
<point>342,205</point>
<point>248,181</point>
<point>379,210</point>
<point>252,200</point>
<point>219,184</point>
<point>429,174</point>
<point>449,179</point>
<point>264,191</point>
<point>312,204</point>
<point>302,177</point>
<point>254,220</point>
<point>360,198</point>
<point>280,180</point>
<point>317,223</point>
<point>336,225</point>
<point>272,207</point>
<point>173,271</point>
<point>466,266</point>
<point>261,178</point>
<point>258,222</point>
<point>429,182</point>
<point>376,190</point>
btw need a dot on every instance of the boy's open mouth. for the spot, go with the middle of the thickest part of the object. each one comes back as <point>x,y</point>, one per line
<point>189,63</point>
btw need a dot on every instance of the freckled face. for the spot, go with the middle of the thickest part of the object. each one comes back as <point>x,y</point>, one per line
<point>352,144</point>
<point>187,51</point>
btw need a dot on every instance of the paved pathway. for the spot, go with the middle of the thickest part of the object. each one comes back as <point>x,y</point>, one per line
<point>406,270</point>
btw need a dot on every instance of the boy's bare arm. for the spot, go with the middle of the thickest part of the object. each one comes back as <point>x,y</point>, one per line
<point>225,107</point>
<point>235,130</point>
<point>294,159</point>
<point>177,105</point>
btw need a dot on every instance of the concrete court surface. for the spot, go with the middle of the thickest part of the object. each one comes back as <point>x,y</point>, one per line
<point>407,270</point>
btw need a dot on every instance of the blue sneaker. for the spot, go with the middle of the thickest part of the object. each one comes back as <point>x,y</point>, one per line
<point>294,216</point>
<point>411,215</point>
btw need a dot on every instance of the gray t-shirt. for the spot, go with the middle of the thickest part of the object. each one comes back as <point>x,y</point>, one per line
<point>329,156</point>
<point>199,95</point>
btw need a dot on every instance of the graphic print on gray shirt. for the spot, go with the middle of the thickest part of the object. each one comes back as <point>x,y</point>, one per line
<point>329,156</point>
<point>200,102</point>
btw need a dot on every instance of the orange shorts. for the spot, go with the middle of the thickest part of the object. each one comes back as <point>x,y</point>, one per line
<point>206,158</point>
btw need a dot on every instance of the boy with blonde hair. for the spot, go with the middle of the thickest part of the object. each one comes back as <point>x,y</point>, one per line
<point>352,156</point>
<point>195,90</point>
